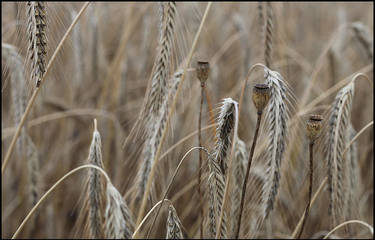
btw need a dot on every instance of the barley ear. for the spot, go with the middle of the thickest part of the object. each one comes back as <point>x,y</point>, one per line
<point>95,186</point>
<point>268,35</point>
<point>223,133</point>
<point>173,225</point>
<point>36,30</point>
<point>118,223</point>
<point>338,123</point>
<point>218,182</point>
<point>238,174</point>
<point>275,122</point>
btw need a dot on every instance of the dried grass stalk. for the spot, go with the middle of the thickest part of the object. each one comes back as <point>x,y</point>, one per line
<point>36,30</point>
<point>173,225</point>
<point>339,121</point>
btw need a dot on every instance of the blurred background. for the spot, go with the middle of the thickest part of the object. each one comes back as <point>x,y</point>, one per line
<point>103,70</point>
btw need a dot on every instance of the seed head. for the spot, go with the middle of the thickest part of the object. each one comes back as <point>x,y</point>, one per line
<point>313,127</point>
<point>261,96</point>
<point>203,69</point>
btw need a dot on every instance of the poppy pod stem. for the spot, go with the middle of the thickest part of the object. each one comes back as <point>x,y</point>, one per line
<point>203,70</point>
<point>313,128</point>
<point>261,97</point>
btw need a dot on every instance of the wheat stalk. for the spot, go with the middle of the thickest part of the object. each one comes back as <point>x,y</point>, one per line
<point>155,107</point>
<point>268,35</point>
<point>339,120</point>
<point>153,141</point>
<point>95,186</point>
<point>218,161</point>
<point>173,224</point>
<point>276,118</point>
<point>36,30</point>
<point>159,83</point>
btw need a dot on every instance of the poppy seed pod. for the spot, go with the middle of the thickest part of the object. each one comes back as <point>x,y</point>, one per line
<point>261,96</point>
<point>203,69</point>
<point>313,127</point>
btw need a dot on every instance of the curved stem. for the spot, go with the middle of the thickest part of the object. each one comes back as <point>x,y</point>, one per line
<point>185,139</point>
<point>357,135</point>
<point>135,234</point>
<point>245,83</point>
<point>305,215</point>
<point>52,188</point>
<point>248,173</point>
<point>346,223</point>
<point>170,184</point>
<point>36,91</point>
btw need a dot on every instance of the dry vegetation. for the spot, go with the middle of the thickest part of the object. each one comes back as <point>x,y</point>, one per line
<point>108,126</point>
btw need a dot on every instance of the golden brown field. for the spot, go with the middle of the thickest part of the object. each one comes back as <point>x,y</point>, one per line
<point>187,120</point>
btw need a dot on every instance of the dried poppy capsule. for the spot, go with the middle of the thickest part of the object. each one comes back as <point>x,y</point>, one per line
<point>261,96</point>
<point>313,127</point>
<point>203,69</point>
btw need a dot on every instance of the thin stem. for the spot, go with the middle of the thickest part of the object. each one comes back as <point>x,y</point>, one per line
<point>324,182</point>
<point>36,91</point>
<point>248,172</point>
<point>52,188</point>
<point>357,135</point>
<point>346,223</point>
<point>170,184</point>
<point>157,155</point>
<point>311,147</point>
<point>200,162</point>
<point>135,234</point>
